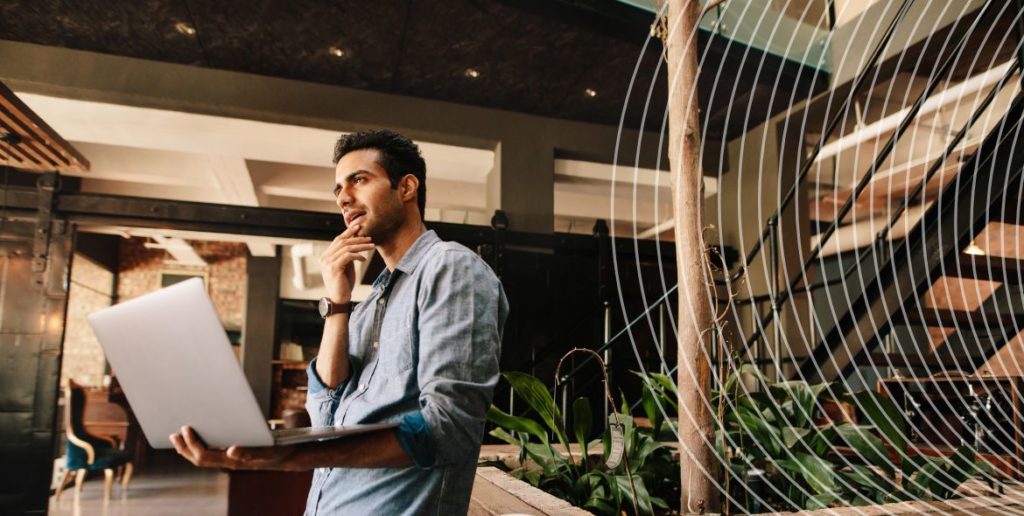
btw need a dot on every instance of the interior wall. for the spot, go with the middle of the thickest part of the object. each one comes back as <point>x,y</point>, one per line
<point>141,267</point>
<point>139,273</point>
<point>91,289</point>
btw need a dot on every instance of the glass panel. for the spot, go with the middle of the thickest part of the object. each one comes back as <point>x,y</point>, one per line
<point>797,32</point>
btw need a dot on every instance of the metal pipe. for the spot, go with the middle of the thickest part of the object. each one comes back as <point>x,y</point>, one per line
<point>661,336</point>
<point>607,352</point>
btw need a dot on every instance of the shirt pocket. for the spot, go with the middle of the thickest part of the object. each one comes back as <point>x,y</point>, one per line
<point>396,346</point>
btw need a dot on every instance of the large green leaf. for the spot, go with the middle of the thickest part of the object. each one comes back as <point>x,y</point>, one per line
<point>766,436</point>
<point>516,423</point>
<point>500,433</point>
<point>668,389</point>
<point>792,435</point>
<point>956,470</point>
<point>914,463</point>
<point>867,478</point>
<point>821,501</point>
<point>819,473</point>
<point>544,454</point>
<point>773,414</point>
<point>627,488</point>
<point>868,446</point>
<point>884,415</point>
<point>582,424</point>
<point>536,395</point>
<point>651,408</point>
<point>927,480</point>
<point>802,396</point>
<point>732,381</point>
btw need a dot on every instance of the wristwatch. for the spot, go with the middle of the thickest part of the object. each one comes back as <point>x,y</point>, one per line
<point>328,307</point>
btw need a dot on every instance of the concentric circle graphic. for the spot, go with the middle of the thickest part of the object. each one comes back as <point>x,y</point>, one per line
<point>865,249</point>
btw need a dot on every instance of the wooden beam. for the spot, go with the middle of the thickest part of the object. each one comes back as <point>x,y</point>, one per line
<point>961,319</point>
<point>988,268</point>
<point>29,143</point>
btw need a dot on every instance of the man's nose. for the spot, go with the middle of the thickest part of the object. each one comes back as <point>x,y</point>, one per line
<point>344,198</point>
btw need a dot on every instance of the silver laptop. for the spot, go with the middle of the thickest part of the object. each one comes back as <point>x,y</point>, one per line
<point>175,364</point>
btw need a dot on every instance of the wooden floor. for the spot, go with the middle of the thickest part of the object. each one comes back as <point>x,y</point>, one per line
<point>169,488</point>
<point>983,502</point>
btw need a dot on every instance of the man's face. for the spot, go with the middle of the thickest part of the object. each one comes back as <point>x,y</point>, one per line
<point>364,194</point>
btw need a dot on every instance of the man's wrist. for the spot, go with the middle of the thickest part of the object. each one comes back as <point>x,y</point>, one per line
<point>328,307</point>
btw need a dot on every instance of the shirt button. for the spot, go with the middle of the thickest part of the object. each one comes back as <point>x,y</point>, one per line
<point>376,344</point>
<point>380,301</point>
<point>362,387</point>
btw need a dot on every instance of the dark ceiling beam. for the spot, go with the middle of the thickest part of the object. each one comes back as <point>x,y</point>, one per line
<point>931,362</point>
<point>92,209</point>
<point>976,321</point>
<point>1010,213</point>
<point>988,268</point>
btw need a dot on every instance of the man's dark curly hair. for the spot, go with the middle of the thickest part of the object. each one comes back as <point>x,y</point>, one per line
<point>397,155</point>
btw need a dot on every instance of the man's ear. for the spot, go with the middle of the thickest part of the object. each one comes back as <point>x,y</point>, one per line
<point>408,188</point>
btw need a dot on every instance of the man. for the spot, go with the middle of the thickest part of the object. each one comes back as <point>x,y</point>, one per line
<point>422,350</point>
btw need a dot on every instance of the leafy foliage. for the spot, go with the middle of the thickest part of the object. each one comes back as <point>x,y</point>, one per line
<point>773,455</point>
<point>772,436</point>
<point>582,479</point>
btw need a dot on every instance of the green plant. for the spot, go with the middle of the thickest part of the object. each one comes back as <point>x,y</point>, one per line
<point>772,434</point>
<point>641,483</point>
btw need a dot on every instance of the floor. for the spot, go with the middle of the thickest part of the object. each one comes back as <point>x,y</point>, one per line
<point>168,487</point>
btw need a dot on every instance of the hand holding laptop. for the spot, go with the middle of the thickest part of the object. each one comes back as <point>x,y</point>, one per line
<point>188,444</point>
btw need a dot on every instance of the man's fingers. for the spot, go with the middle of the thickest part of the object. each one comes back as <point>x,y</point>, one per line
<point>342,242</point>
<point>340,245</point>
<point>342,261</point>
<point>332,257</point>
<point>191,439</point>
<point>349,231</point>
<point>363,243</point>
<point>180,447</point>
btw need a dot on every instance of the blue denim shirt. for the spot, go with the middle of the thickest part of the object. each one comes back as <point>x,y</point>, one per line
<point>423,352</point>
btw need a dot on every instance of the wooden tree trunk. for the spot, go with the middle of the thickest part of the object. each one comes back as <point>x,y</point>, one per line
<point>696,433</point>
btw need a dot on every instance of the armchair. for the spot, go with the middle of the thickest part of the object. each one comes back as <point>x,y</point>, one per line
<point>86,452</point>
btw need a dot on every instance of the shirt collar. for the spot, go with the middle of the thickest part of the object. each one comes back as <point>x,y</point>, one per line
<point>413,256</point>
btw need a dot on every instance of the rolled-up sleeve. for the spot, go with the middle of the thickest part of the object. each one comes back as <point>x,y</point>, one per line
<point>462,311</point>
<point>321,400</point>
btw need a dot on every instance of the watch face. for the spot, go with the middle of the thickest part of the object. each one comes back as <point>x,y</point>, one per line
<point>323,307</point>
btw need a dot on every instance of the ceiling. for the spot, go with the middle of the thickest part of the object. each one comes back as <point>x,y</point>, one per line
<point>155,153</point>
<point>533,56</point>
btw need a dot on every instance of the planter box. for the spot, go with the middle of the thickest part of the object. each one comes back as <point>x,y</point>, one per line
<point>494,492</point>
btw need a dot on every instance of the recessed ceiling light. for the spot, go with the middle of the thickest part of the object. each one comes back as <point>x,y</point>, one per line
<point>590,92</point>
<point>185,29</point>
<point>974,250</point>
<point>472,73</point>
<point>337,52</point>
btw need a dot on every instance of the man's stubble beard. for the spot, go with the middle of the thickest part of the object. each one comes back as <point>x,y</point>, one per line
<point>388,222</point>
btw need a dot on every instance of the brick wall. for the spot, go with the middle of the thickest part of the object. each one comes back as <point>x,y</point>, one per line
<point>90,290</point>
<point>140,270</point>
<point>139,273</point>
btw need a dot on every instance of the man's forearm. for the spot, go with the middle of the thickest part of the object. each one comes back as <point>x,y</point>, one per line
<point>332,360</point>
<point>378,449</point>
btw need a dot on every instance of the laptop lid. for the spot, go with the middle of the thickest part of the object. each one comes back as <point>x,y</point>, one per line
<point>173,359</point>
